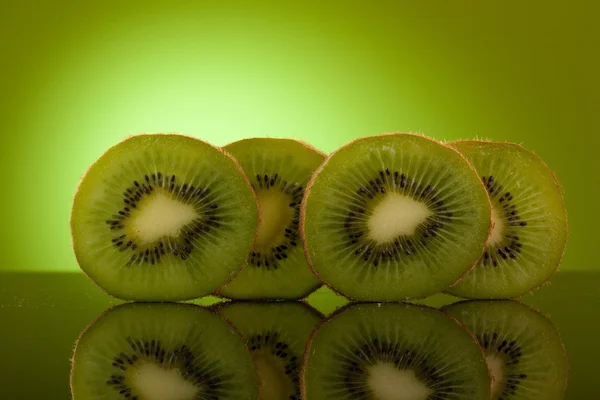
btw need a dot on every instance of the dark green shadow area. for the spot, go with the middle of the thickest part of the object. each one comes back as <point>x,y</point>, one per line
<point>41,316</point>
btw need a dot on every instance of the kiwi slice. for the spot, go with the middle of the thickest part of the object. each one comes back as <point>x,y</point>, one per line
<point>278,169</point>
<point>522,347</point>
<point>529,222</point>
<point>394,352</point>
<point>163,217</point>
<point>395,216</point>
<point>162,352</point>
<point>276,334</point>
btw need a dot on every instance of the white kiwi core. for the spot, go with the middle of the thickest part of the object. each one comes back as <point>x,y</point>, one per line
<point>394,216</point>
<point>160,215</point>
<point>497,228</point>
<point>154,382</point>
<point>496,366</point>
<point>387,382</point>
<point>274,383</point>
<point>275,215</point>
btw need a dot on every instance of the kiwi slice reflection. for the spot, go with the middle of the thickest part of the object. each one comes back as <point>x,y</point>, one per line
<point>162,352</point>
<point>522,347</point>
<point>276,333</point>
<point>394,351</point>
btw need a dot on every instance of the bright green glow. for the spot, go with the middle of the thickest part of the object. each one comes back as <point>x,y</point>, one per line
<point>77,79</point>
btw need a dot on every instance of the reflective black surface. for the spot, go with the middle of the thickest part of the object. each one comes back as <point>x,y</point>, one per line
<point>42,315</point>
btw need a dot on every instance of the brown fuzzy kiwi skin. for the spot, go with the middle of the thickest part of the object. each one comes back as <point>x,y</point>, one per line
<point>220,150</point>
<point>223,304</point>
<point>227,300</point>
<point>105,312</point>
<point>217,293</point>
<point>343,308</point>
<point>558,185</point>
<point>318,170</point>
<point>536,310</point>
<point>302,142</point>
<point>308,146</point>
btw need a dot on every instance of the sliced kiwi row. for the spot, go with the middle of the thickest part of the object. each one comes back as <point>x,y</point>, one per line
<point>475,350</point>
<point>170,351</point>
<point>384,218</point>
<point>168,218</point>
<point>401,216</point>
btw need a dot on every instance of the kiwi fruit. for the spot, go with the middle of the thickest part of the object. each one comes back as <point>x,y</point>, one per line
<point>279,170</point>
<point>529,222</point>
<point>163,218</point>
<point>395,216</point>
<point>276,334</point>
<point>522,347</point>
<point>142,351</point>
<point>393,352</point>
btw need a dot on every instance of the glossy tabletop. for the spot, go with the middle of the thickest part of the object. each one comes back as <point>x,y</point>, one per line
<point>42,315</point>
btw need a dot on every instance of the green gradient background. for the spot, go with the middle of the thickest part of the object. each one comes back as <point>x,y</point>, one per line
<point>77,77</point>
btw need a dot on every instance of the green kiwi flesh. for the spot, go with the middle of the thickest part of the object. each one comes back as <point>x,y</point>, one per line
<point>394,216</point>
<point>279,170</point>
<point>522,347</point>
<point>276,334</point>
<point>163,218</point>
<point>162,352</point>
<point>393,352</point>
<point>529,222</point>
